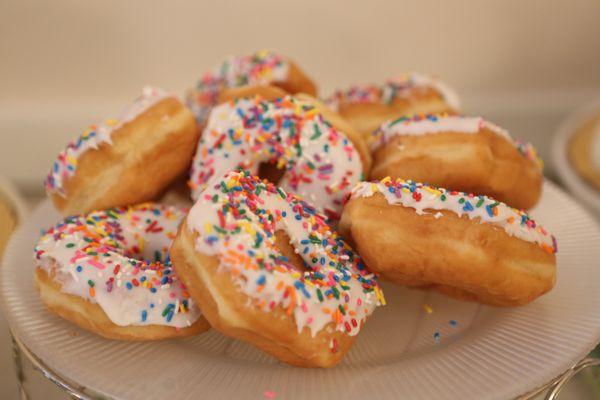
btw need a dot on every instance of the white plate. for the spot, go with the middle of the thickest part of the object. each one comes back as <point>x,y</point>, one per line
<point>581,189</point>
<point>490,354</point>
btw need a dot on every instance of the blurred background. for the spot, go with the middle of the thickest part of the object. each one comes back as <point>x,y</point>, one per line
<point>65,64</point>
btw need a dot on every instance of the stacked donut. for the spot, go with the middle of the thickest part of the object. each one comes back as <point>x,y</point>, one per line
<point>251,246</point>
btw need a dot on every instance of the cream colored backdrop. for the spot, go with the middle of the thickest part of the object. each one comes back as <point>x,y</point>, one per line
<point>66,63</point>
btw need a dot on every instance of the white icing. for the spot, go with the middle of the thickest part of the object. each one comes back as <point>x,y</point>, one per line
<point>307,311</point>
<point>63,250</point>
<point>434,124</point>
<point>514,222</point>
<point>229,141</point>
<point>66,164</point>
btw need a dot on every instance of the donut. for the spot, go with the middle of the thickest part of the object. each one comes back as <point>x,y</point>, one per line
<point>467,246</point>
<point>583,151</point>
<point>110,273</point>
<point>263,68</point>
<point>367,106</point>
<point>126,160</point>
<point>267,269</point>
<point>468,154</point>
<point>286,140</point>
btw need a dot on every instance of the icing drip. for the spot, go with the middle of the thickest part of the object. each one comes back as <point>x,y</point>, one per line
<point>236,219</point>
<point>423,197</point>
<point>66,164</point>
<point>429,124</point>
<point>119,259</point>
<point>260,68</point>
<point>398,87</point>
<point>321,163</point>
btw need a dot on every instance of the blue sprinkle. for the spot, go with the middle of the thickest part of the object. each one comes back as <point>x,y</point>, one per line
<point>151,305</point>
<point>153,289</point>
<point>261,280</point>
<point>298,217</point>
<point>144,315</point>
<point>489,210</point>
<point>79,268</point>
<point>453,322</point>
<point>436,336</point>
<point>129,285</point>
<point>467,207</point>
<point>170,316</point>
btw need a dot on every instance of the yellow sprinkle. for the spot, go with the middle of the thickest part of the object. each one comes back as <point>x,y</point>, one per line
<point>71,159</point>
<point>208,227</point>
<point>386,180</point>
<point>380,296</point>
<point>374,188</point>
<point>111,121</point>
<point>427,308</point>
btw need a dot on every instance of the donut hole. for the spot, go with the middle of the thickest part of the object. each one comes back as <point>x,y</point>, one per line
<point>269,171</point>
<point>282,241</point>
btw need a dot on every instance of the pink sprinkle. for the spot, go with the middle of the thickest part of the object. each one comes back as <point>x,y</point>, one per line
<point>96,264</point>
<point>304,308</point>
<point>77,256</point>
<point>269,394</point>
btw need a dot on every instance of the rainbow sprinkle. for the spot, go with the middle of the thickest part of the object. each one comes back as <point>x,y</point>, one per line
<point>236,219</point>
<point>118,258</point>
<point>320,162</point>
<point>260,68</point>
<point>424,198</point>
<point>404,86</point>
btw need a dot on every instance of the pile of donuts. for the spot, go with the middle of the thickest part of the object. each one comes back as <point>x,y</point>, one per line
<point>252,207</point>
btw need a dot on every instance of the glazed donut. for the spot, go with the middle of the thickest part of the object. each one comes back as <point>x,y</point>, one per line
<point>368,106</point>
<point>126,160</point>
<point>303,153</point>
<point>266,268</point>
<point>109,272</point>
<point>262,68</point>
<point>466,246</point>
<point>468,154</point>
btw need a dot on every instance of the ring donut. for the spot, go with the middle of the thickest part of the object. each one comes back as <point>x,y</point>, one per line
<point>289,140</point>
<point>466,246</point>
<point>262,68</point>
<point>266,268</point>
<point>109,272</point>
<point>368,106</point>
<point>126,160</point>
<point>468,154</point>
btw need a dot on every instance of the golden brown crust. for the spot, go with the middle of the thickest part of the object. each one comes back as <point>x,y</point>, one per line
<point>147,154</point>
<point>483,163</point>
<point>297,81</point>
<point>454,255</point>
<point>230,311</point>
<point>343,126</point>
<point>91,317</point>
<point>580,153</point>
<point>267,92</point>
<point>367,117</point>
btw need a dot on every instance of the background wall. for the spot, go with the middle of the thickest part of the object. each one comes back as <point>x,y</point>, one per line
<point>66,63</point>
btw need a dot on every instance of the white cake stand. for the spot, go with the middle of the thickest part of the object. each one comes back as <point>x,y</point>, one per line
<point>457,351</point>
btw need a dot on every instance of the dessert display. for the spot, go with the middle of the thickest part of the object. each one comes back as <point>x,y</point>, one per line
<point>299,207</point>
